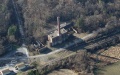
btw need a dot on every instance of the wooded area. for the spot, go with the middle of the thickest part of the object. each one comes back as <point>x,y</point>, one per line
<point>39,16</point>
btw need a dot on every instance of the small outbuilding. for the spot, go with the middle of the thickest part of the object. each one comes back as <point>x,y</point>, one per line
<point>58,36</point>
<point>20,66</point>
<point>5,71</point>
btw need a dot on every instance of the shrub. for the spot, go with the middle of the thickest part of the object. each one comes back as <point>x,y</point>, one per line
<point>11,30</point>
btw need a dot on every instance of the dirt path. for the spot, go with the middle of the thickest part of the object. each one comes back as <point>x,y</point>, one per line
<point>63,72</point>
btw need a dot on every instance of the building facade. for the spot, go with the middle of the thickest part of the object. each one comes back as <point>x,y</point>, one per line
<point>54,38</point>
<point>5,71</point>
<point>58,36</point>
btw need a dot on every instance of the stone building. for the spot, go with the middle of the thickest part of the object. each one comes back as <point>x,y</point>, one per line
<point>20,66</point>
<point>58,36</point>
<point>5,71</point>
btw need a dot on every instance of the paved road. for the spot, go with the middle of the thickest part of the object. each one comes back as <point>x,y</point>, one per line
<point>45,55</point>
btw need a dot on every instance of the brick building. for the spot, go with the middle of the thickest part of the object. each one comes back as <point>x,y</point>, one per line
<point>58,36</point>
<point>5,71</point>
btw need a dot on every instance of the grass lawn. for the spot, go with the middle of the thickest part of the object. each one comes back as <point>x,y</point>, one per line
<point>113,69</point>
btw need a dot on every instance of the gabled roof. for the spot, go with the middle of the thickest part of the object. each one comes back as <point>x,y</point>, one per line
<point>20,65</point>
<point>6,70</point>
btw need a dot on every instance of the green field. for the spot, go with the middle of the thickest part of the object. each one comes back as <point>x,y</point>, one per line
<point>113,69</point>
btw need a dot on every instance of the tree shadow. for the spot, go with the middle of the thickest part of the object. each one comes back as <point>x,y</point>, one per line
<point>99,71</point>
<point>45,51</point>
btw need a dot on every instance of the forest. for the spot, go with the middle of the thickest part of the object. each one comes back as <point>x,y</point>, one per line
<point>39,16</point>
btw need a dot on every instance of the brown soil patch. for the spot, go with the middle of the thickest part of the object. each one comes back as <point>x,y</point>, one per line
<point>63,72</point>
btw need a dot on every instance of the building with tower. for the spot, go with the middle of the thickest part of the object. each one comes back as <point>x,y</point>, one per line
<point>57,36</point>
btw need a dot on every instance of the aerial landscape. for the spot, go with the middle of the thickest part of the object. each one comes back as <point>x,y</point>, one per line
<point>59,37</point>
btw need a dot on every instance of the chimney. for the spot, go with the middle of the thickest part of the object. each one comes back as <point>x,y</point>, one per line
<point>58,23</point>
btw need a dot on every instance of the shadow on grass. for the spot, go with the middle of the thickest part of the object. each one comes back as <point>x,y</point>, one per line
<point>99,71</point>
<point>45,51</point>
